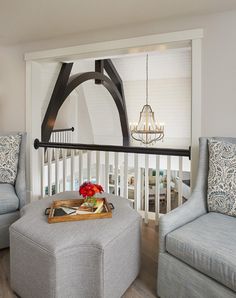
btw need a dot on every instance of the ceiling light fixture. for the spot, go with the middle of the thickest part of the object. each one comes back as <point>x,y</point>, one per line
<point>147,130</point>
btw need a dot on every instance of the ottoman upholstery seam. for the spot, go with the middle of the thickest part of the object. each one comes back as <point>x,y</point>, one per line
<point>121,233</point>
<point>32,241</point>
<point>80,245</point>
<point>50,252</point>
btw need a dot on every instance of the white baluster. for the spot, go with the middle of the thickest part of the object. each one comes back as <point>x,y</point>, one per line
<point>64,156</point>
<point>89,165</point>
<point>49,151</point>
<point>72,169</point>
<point>42,152</point>
<point>126,166</point>
<point>107,171</point>
<point>146,188</point>
<point>98,167</point>
<point>137,190</point>
<point>57,153</point>
<point>116,172</point>
<point>168,187</point>
<point>157,192</point>
<point>81,167</point>
<point>180,181</point>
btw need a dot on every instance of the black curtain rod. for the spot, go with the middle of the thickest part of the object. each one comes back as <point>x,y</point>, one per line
<point>111,148</point>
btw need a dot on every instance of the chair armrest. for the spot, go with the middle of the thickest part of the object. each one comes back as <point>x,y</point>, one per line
<point>189,211</point>
<point>196,204</point>
<point>20,185</point>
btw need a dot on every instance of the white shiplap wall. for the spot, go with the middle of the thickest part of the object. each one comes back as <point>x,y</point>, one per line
<point>170,100</point>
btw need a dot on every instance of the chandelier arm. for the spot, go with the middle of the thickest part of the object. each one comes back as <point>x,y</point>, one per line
<point>146,140</point>
<point>133,136</point>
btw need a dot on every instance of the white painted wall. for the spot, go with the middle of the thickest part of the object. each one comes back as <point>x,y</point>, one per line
<point>12,89</point>
<point>219,68</point>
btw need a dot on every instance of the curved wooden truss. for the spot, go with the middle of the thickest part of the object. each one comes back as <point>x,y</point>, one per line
<point>66,84</point>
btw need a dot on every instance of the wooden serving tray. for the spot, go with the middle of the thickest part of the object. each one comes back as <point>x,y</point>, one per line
<point>106,213</point>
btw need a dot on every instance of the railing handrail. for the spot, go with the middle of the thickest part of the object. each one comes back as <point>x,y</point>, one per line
<point>63,129</point>
<point>113,148</point>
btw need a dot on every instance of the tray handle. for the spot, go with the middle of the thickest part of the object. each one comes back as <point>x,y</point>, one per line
<point>47,211</point>
<point>111,206</point>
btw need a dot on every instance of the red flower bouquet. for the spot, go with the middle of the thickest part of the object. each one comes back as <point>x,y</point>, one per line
<point>88,190</point>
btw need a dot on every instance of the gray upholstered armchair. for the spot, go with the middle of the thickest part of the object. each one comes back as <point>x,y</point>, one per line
<point>12,197</point>
<point>197,248</point>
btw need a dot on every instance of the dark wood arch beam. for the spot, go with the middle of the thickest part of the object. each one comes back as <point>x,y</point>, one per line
<point>116,79</point>
<point>55,101</point>
<point>66,84</point>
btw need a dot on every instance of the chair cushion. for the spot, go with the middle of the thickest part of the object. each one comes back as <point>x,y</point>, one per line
<point>9,201</point>
<point>209,245</point>
<point>9,153</point>
<point>221,177</point>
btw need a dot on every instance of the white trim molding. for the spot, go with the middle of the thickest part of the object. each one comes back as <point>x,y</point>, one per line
<point>196,130</point>
<point>116,46</point>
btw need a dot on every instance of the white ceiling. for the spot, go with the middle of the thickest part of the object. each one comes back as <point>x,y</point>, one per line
<point>33,20</point>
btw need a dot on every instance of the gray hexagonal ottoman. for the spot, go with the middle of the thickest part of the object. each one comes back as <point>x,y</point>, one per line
<point>87,259</point>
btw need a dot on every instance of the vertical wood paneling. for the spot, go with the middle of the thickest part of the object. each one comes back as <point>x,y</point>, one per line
<point>137,190</point>
<point>146,188</point>
<point>98,167</point>
<point>107,172</point>
<point>157,191</point>
<point>126,166</point>
<point>116,172</point>
<point>180,186</point>
<point>168,187</point>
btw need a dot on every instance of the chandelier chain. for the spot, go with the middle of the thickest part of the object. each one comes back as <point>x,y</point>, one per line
<point>147,79</point>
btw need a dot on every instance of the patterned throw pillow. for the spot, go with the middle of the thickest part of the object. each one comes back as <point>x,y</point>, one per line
<point>222,177</point>
<point>9,153</point>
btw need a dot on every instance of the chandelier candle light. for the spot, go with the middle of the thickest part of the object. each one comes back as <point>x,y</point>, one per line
<point>147,130</point>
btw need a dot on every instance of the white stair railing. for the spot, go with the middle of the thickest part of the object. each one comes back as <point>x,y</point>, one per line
<point>128,174</point>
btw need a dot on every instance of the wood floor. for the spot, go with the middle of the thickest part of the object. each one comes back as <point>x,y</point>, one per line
<point>143,287</point>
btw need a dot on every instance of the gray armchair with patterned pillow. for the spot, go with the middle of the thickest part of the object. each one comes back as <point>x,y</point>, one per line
<point>12,181</point>
<point>198,239</point>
